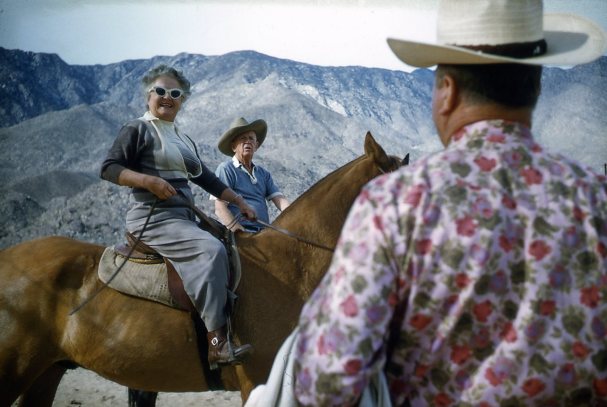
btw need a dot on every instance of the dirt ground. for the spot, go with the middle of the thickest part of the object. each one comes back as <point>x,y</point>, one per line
<point>84,388</point>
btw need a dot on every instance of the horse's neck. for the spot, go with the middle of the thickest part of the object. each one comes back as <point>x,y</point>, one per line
<point>321,211</point>
<point>317,216</point>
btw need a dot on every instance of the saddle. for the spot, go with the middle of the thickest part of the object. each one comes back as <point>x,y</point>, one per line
<point>138,252</point>
<point>142,260</point>
<point>138,262</point>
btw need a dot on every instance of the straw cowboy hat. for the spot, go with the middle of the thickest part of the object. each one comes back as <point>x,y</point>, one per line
<point>504,31</point>
<point>238,127</point>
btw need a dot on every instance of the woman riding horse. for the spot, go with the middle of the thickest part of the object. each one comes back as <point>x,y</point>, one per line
<point>156,159</point>
<point>149,346</point>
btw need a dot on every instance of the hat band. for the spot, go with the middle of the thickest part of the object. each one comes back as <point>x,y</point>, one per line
<point>517,50</point>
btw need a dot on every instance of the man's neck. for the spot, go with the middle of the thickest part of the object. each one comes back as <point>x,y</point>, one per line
<point>246,161</point>
<point>468,114</point>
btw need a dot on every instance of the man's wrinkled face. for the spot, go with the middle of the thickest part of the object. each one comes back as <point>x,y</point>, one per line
<point>245,144</point>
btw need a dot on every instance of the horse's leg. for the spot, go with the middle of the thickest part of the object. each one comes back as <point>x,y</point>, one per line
<point>140,398</point>
<point>42,392</point>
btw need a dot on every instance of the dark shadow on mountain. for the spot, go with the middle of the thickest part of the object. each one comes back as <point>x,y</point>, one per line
<point>17,210</point>
<point>58,183</point>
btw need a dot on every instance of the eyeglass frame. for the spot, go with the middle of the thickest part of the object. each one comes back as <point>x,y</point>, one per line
<point>167,92</point>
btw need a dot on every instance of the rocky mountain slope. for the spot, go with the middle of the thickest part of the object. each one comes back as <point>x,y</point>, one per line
<point>58,120</point>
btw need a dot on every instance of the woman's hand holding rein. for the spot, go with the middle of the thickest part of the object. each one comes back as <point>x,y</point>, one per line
<point>164,190</point>
<point>156,185</point>
<point>159,187</point>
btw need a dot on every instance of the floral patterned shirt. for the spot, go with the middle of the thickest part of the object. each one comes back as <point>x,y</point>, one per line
<point>476,277</point>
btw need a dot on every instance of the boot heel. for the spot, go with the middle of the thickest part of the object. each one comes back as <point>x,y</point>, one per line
<point>222,352</point>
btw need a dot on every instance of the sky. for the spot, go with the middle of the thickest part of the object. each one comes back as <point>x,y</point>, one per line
<point>319,32</point>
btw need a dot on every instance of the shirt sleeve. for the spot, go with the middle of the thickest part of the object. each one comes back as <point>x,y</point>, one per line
<point>272,190</point>
<point>208,181</point>
<point>344,324</point>
<point>226,175</point>
<point>124,152</point>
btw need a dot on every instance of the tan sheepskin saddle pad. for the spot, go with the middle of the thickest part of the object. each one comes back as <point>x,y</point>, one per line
<point>145,273</point>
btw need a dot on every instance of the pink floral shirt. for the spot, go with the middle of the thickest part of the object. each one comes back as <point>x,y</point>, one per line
<point>487,262</point>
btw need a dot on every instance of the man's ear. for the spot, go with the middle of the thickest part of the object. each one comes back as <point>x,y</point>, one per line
<point>447,93</point>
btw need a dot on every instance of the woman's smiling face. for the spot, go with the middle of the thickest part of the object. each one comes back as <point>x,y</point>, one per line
<point>164,107</point>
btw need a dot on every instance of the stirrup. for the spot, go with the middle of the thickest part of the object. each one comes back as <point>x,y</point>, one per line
<point>235,356</point>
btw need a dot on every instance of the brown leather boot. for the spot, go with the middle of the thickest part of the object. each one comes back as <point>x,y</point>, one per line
<point>222,351</point>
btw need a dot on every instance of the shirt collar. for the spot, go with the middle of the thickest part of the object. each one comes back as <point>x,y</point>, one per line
<point>150,117</point>
<point>492,130</point>
<point>237,163</point>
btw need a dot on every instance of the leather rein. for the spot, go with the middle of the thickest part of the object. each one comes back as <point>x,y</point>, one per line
<point>290,234</point>
<point>237,219</point>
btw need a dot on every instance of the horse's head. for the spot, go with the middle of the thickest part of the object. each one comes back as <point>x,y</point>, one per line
<point>329,200</point>
<point>385,163</point>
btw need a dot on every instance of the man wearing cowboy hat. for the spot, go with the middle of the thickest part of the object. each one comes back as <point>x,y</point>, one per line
<point>478,275</point>
<point>251,181</point>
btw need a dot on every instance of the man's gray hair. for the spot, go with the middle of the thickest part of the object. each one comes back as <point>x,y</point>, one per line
<point>165,70</point>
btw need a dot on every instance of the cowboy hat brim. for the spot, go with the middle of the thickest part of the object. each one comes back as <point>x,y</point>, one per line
<point>225,142</point>
<point>571,40</point>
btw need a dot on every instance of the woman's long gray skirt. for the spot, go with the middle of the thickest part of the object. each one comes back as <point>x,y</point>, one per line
<point>200,260</point>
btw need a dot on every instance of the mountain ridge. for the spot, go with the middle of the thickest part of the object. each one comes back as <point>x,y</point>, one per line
<point>57,122</point>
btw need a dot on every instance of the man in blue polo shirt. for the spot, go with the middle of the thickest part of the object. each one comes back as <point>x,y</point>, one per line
<point>253,182</point>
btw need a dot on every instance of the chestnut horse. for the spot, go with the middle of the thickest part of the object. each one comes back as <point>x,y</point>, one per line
<point>149,346</point>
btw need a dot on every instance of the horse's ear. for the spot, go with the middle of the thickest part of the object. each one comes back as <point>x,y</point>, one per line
<point>373,149</point>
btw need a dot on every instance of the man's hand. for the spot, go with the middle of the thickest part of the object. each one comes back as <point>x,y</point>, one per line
<point>247,211</point>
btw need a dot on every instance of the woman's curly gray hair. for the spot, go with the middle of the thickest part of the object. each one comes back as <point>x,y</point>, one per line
<point>165,70</point>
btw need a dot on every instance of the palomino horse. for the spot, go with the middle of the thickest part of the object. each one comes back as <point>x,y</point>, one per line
<point>145,345</point>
